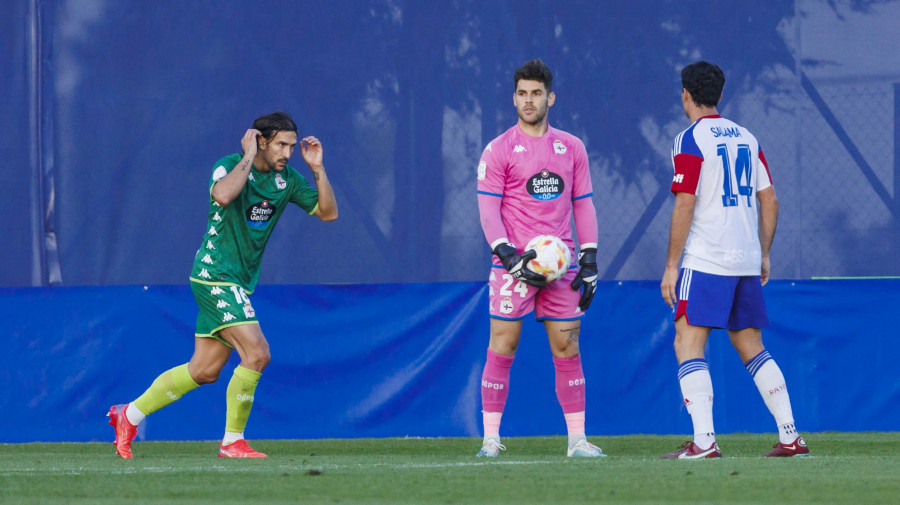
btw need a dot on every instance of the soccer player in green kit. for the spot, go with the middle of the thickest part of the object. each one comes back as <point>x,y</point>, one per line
<point>248,193</point>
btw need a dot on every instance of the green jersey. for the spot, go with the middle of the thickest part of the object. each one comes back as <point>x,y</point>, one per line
<point>236,235</point>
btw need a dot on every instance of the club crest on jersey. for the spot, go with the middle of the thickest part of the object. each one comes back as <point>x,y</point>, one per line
<point>506,305</point>
<point>259,214</point>
<point>279,182</point>
<point>545,185</point>
<point>559,147</point>
<point>482,171</point>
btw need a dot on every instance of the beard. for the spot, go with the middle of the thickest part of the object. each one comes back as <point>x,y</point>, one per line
<point>539,116</point>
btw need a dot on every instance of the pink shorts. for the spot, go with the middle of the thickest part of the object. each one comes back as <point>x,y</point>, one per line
<point>511,299</point>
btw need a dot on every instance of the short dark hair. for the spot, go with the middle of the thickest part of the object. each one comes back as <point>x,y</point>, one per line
<point>704,81</point>
<point>270,124</point>
<point>534,70</point>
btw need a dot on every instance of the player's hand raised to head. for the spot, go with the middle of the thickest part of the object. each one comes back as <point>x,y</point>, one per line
<point>311,149</point>
<point>250,143</point>
<point>586,278</point>
<point>515,263</point>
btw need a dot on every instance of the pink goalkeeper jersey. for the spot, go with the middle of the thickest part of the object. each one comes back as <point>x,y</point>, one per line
<point>722,164</point>
<point>537,179</point>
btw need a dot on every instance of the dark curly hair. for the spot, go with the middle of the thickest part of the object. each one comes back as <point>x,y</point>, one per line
<point>534,70</point>
<point>704,81</point>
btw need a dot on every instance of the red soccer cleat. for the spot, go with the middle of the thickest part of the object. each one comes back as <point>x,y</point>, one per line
<point>125,431</point>
<point>239,449</point>
<point>795,448</point>
<point>690,450</point>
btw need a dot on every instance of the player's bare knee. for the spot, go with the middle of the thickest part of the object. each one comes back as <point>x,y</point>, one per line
<point>257,361</point>
<point>504,342</point>
<point>504,348</point>
<point>207,376</point>
<point>686,347</point>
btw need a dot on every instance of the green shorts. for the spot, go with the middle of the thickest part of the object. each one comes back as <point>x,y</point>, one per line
<point>222,305</point>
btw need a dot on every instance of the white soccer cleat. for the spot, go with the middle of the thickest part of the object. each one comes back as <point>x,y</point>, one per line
<point>585,449</point>
<point>490,449</point>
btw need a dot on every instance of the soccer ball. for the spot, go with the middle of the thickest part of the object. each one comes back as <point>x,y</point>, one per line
<point>553,257</point>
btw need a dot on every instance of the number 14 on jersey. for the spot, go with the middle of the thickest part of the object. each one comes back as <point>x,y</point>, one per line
<point>741,175</point>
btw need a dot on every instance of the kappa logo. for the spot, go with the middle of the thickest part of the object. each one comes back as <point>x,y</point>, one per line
<point>559,147</point>
<point>203,273</point>
<point>216,290</point>
<point>209,245</point>
<point>279,182</point>
<point>207,259</point>
<point>252,178</point>
<point>217,217</point>
<point>482,171</point>
<point>222,304</point>
<point>519,148</point>
<point>228,317</point>
<point>679,178</point>
<point>212,231</point>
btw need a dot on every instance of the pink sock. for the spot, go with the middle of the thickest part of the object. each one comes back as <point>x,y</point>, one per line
<point>570,384</point>
<point>495,382</point>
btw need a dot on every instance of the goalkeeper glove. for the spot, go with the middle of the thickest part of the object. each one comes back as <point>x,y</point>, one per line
<point>586,277</point>
<point>515,264</point>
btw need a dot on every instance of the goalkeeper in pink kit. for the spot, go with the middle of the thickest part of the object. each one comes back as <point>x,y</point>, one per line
<point>531,180</point>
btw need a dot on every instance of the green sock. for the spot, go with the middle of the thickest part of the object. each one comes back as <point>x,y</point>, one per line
<point>168,387</point>
<point>239,398</point>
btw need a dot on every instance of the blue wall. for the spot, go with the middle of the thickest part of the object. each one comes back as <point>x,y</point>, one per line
<point>113,113</point>
<point>406,359</point>
<point>106,182</point>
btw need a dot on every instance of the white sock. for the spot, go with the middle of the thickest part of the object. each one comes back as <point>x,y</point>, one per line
<point>771,385</point>
<point>575,427</point>
<point>697,390</point>
<point>231,438</point>
<point>787,433</point>
<point>134,415</point>
<point>491,422</point>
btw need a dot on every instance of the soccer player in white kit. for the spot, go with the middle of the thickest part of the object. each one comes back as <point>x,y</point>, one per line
<point>532,179</point>
<point>721,176</point>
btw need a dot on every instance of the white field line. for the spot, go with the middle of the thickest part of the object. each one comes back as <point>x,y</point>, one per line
<point>44,470</point>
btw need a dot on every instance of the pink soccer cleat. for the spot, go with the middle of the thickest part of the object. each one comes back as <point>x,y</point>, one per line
<point>125,431</point>
<point>239,449</point>
<point>795,448</point>
<point>690,450</point>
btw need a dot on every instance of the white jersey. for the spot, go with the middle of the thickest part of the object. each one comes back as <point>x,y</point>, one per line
<point>722,164</point>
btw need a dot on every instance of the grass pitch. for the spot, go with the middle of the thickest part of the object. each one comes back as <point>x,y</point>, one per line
<point>852,468</point>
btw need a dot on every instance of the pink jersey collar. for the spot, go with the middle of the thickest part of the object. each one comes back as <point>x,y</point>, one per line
<point>522,132</point>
